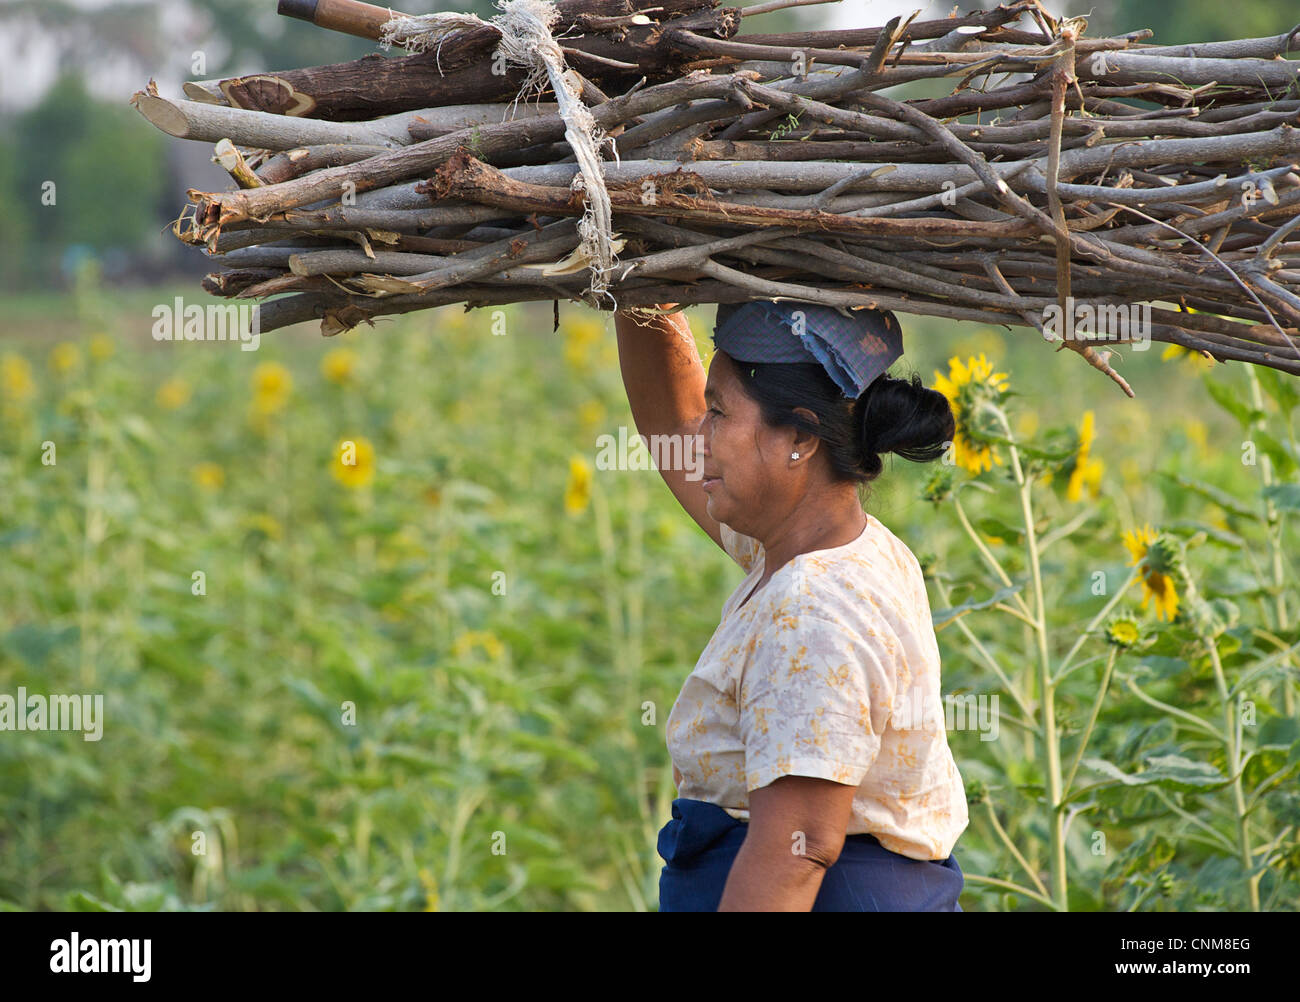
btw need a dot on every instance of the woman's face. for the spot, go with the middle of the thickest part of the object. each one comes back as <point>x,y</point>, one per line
<point>747,474</point>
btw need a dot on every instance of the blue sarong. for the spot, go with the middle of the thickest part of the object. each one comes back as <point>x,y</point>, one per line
<point>701,841</point>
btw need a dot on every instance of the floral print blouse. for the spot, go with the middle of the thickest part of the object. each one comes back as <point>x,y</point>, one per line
<point>814,675</point>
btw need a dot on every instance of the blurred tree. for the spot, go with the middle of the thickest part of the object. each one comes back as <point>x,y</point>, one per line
<point>14,225</point>
<point>106,172</point>
<point>1178,21</point>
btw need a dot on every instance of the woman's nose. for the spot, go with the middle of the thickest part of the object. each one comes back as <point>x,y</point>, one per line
<point>702,436</point>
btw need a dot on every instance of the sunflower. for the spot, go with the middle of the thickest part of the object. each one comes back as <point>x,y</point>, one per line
<point>430,889</point>
<point>101,347</point>
<point>16,379</point>
<point>482,639</point>
<point>209,476</point>
<point>354,462</point>
<point>1123,631</point>
<point>1158,560</point>
<point>65,357</point>
<point>1196,359</point>
<point>577,494</point>
<point>591,413</point>
<point>969,387</point>
<point>1086,469</point>
<point>173,394</point>
<point>581,336</point>
<point>1198,435</point>
<point>339,365</point>
<point>271,387</point>
<point>261,524</point>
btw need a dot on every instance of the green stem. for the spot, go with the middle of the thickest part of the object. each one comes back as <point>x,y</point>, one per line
<point>1273,533</point>
<point>1047,689</point>
<point>988,658</point>
<point>1220,839</point>
<point>1183,715</point>
<point>985,551</point>
<point>93,531</point>
<point>1150,889</point>
<point>1092,719</point>
<point>1061,533</point>
<point>618,631</point>
<point>1087,630</point>
<point>1006,840</point>
<point>1003,607</point>
<point>1234,762</point>
<point>1016,888</point>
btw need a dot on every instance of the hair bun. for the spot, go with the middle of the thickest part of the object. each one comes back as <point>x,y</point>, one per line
<point>905,417</point>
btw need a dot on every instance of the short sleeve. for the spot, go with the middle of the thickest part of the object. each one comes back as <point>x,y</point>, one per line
<point>814,701</point>
<point>740,548</point>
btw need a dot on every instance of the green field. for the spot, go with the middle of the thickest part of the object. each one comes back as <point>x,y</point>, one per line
<point>439,679</point>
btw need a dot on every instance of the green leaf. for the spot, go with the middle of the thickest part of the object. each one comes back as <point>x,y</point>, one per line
<point>992,527</point>
<point>1223,499</point>
<point>944,615</point>
<point>1160,667</point>
<point>1264,763</point>
<point>1284,496</point>
<point>34,644</point>
<point>1279,732</point>
<point>1169,771</point>
<point>20,535</point>
<point>1279,388</point>
<point>1222,396</point>
<point>313,697</point>
<point>137,428</point>
<point>1283,462</point>
<point>556,750</point>
<point>80,901</point>
<point>1216,535</point>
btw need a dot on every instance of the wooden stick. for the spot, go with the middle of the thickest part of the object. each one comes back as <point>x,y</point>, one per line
<point>348,16</point>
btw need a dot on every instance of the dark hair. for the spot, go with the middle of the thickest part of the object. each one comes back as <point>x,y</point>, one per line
<point>902,416</point>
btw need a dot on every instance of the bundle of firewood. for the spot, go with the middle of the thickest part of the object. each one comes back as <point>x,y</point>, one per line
<point>626,153</point>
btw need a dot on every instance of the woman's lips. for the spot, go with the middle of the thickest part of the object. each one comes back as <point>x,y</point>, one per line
<point>710,482</point>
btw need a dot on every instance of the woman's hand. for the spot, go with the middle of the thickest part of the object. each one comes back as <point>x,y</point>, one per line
<point>658,306</point>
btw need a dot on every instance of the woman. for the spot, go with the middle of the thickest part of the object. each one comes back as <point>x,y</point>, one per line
<point>804,782</point>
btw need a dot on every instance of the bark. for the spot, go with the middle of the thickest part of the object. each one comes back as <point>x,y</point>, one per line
<point>463,73</point>
<point>1114,173</point>
<point>262,130</point>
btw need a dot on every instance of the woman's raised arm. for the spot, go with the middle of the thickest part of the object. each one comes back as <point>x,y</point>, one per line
<point>664,379</point>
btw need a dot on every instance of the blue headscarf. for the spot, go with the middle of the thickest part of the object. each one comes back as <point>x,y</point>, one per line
<point>853,346</point>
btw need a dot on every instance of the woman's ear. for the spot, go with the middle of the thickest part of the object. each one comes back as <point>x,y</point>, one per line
<point>805,442</point>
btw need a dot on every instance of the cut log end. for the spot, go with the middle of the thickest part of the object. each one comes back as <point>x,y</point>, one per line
<point>162,114</point>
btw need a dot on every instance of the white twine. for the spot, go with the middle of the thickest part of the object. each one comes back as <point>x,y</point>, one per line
<point>526,40</point>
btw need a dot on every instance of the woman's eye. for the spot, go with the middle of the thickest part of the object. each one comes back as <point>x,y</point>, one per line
<point>714,410</point>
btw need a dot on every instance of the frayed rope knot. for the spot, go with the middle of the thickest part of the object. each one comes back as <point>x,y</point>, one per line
<point>526,40</point>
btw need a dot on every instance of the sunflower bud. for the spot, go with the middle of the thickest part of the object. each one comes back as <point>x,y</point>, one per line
<point>939,486</point>
<point>1123,631</point>
<point>1164,555</point>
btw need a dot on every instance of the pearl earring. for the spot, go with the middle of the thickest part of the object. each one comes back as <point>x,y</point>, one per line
<point>794,455</point>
